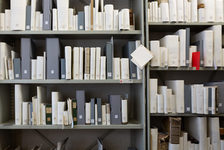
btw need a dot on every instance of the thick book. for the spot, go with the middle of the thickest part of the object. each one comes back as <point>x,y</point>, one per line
<point>27,53</point>
<point>17,68</point>
<point>47,14</point>
<point>74,111</point>
<point>48,114</point>
<point>115,102</point>
<point>53,58</point>
<point>110,56</point>
<point>80,97</point>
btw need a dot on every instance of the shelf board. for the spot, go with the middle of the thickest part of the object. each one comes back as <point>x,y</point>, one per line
<point>186,69</point>
<point>184,24</point>
<point>70,81</point>
<point>11,125</point>
<point>185,115</point>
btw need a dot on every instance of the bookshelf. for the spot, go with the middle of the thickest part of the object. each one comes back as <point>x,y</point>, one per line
<point>117,137</point>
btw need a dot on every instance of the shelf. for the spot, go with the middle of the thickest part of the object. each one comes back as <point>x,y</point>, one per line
<point>185,69</point>
<point>11,125</point>
<point>185,115</point>
<point>71,34</point>
<point>185,24</point>
<point>70,81</point>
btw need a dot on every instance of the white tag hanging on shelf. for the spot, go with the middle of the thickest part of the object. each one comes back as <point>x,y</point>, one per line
<point>141,56</point>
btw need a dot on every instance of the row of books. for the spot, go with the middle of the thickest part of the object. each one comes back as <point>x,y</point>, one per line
<point>199,133</point>
<point>73,111</point>
<point>96,16</point>
<point>89,63</point>
<point>178,50</point>
<point>176,97</point>
<point>186,11</point>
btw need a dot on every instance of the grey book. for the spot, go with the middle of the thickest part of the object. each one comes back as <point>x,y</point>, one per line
<point>93,111</point>
<point>110,56</point>
<point>187,99</point>
<point>188,35</point>
<point>99,110</point>
<point>17,68</point>
<point>209,100</point>
<point>47,14</point>
<point>62,68</point>
<point>80,97</point>
<point>27,53</point>
<point>130,48</point>
<point>53,58</point>
<point>220,95</point>
<point>81,20</point>
<point>28,17</point>
<point>115,102</point>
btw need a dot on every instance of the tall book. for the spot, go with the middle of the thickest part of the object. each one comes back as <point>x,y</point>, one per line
<point>87,64</point>
<point>92,111</point>
<point>115,101</point>
<point>110,56</point>
<point>28,17</point>
<point>80,97</point>
<point>99,110</point>
<point>47,14</point>
<point>62,7</point>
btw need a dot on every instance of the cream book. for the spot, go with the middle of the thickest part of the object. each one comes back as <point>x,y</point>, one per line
<point>124,19</point>
<point>103,67</point>
<point>33,14</point>
<point>155,49</point>
<point>104,117</point>
<point>153,95</point>
<point>7,19</point>
<point>40,68</point>
<point>160,103</point>
<point>173,10</point>
<point>116,20</point>
<point>2,21</point>
<point>34,69</point>
<point>55,19</point>
<point>88,113</point>
<point>62,7</point>
<point>70,19</point>
<point>98,63</point>
<point>116,68</point>
<point>87,17</point>
<point>68,62</point>
<point>125,69</point>
<point>92,63</point>
<point>163,91</point>
<point>37,22</point>
<point>76,64</point>
<point>108,113</point>
<point>55,97</point>
<point>109,16</point>
<point>61,108</point>
<point>81,58</point>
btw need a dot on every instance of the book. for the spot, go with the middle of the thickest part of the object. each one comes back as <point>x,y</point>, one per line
<point>76,61</point>
<point>92,63</point>
<point>81,20</point>
<point>74,111</point>
<point>155,48</point>
<point>109,56</point>
<point>62,7</point>
<point>48,114</point>
<point>55,97</point>
<point>153,93</point>
<point>108,114</point>
<point>17,68</point>
<point>109,17</point>
<point>8,19</point>
<point>92,111</point>
<point>102,68</point>
<point>98,62</point>
<point>124,111</point>
<point>87,113</point>
<point>47,6</point>
<point>115,102</point>
<point>125,74</point>
<point>63,72</point>
<point>68,62</point>
<point>116,68</point>
<point>40,68</point>
<point>80,97</point>
<point>124,19</point>
<point>99,111</point>
<point>54,19</point>
<point>61,108</point>
<point>81,63</point>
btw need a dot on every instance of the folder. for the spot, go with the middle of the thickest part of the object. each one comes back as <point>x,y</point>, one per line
<point>115,101</point>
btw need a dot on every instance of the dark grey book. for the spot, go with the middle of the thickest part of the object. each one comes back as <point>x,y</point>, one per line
<point>53,58</point>
<point>17,68</point>
<point>187,99</point>
<point>99,110</point>
<point>80,97</point>
<point>110,56</point>
<point>209,100</point>
<point>115,102</point>
<point>130,48</point>
<point>28,17</point>
<point>92,111</point>
<point>27,53</point>
<point>81,20</point>
<point>188,35</point>
<point>47,14</point>
<point>62,68</point>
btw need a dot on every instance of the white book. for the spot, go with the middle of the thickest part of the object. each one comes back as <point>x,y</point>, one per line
<point>62,6</point>
<point>87,17</point>
<point>88,113</point>
<point>45,62</point>
<point>164,8</point>
<point>55,19</point>
<point>194,11</point>
<point>40,68</point>
<point>2,21</point>
<point>186,17</point>
<point>201,15</point>
<point>96,114</point>
<point>124,111</point>
<point>98,63</point>
<point>168,98</point>
<point>199,90</point>
<point>33,14</point>
<point>41,22</point>
<point>217,44</point>
<point>160,103</point>
<point>35,108</point>
<point>61,108</point>
<point>7,19</point>
<point>206,95</point>
<point>109,16</point>
<point>209,10</point>
<point>101,20</point>
<point>70,19</point>
<point>92,63</point>
<point>65,118</point>
<point>103,67</point>
<point>193,99</point>
<point>173,10</point>
<point>41,98</point>
<point>116,20</point>
<point>173,104</point>
<point>55,97</point>
<point>189,11</point>
<point>37,21</point>
<point>204,39</point>
<point>155,11</point>
<point>214,132</point>
<point>81,63</point>
<point>76,57</point>
<point>180,10</point>
<point>154,138</point>
<point>213,100</point>
<point>155,49</point>
<point>69,106</point>
<point>96,13</point>
<point>34,69</point>
<point>125,68</point>
<point>163,91</point>
<point>116,68</point>
<point>75,22</point>
<point>182,47</point>
<point>104,116</point>
<point>181,139</point>
<point>164,56</point>
<point>43,114</point>
<point>171,42</point>
<point>219,6</point>
<point>124,19</point>
<point>25,109</point>
<point>192,49</point>
<point>159,14</point>
<point>68,62</point>
<point>18,14</point>
<point>151,12</point>
<point>153,95</point>
<point>108,113</point>
<point>185,136</point>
